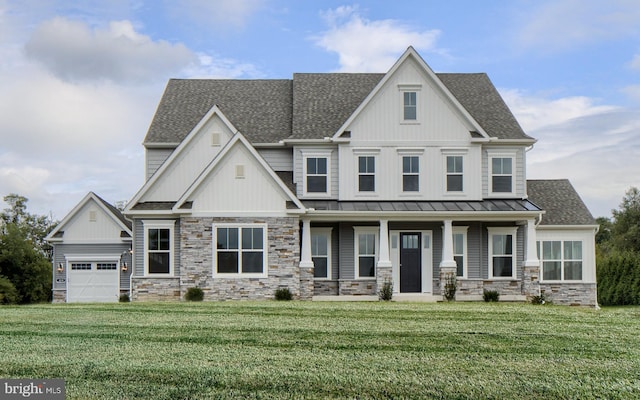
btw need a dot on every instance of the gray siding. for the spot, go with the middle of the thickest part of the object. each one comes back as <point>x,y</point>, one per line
<point>155,158</point>
<point>60,250</point>
<point>278,159</point>
<point>475,251</point>
<point>298,177</point>
<point>346,243</point>
<point>520,172</point>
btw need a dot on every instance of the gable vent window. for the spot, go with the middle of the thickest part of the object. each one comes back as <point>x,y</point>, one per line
<point>215,139</point>
<point>240,171</point>
<point>93,216</point>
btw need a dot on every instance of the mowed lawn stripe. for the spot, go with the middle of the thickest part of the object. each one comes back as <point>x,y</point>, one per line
<point>325,350</point>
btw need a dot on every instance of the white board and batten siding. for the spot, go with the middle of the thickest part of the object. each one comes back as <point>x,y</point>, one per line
<point>238,183</point>
<point>91,224</point>
<point>190,162</point>
<point>154,158</point>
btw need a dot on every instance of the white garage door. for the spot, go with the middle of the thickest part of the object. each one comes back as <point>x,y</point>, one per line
<point>92,282</point>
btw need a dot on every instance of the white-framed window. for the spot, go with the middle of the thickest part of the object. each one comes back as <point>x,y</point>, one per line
<point>410,106</point>
<point>240,250</point>
<point>455,165</point>
<point>560,260</point>
<point>366,173</point>
<point>158,246</point>
<point>410,173</point>
<point>502,174</point>
<point>460,250</point>
<point>366,252</point>
<point>316,172</point>
<point>321,252</point>
<point>502,253</point>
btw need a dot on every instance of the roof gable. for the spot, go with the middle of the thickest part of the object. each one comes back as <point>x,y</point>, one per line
<point>92,219</point>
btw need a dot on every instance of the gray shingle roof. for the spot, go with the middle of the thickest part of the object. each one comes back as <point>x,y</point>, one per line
<point>310,106</point>
<point>260,109</point>
<point>561,202</point>
<point>117,213</point>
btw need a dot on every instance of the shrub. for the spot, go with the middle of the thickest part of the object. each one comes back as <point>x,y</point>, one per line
<point>8,292</point>
<point>450,286</point>
<point>194,294</point>
<point>283,294</point>
<point>386,292</point>
<point>490,295</point>
<point>540,299</point>
<point>124,298</point>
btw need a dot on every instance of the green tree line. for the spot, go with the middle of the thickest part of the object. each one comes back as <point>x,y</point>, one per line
<point>618,253</point>
<point>25,258</point>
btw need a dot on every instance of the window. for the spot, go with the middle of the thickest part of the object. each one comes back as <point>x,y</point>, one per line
<point>454,174</point>
<point>106,266</point>
<point>410,174</point>
<point>561,260</point>
<point>81,266</point>
<point>321,252</point>
<point>410,106</point>
<point>502,175</point>
<point>366,173</point>
<point>316,175</point>
<point>460,250</point>
<point>502,252</point>
<point>240,250</point>
<point>158,246</point>
<point>365,252</point>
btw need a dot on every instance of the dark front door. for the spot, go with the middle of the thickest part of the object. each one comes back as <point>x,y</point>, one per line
<point>410,263</point>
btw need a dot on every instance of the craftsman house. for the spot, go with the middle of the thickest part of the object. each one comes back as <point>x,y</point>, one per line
<point>332,184</point>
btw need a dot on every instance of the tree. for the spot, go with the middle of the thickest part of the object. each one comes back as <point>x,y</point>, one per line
<point>36,227</point>
<point>625,230</point>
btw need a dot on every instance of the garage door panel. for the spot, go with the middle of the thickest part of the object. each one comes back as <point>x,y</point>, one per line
<point>92,282</point>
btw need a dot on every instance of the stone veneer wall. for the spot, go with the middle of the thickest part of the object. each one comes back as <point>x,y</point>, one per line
<point>59,296</point>
<point>357,287</point>
<point>155,289</point>
<point>283,237</point>
<point>572,294</point>
<point>325,288</point>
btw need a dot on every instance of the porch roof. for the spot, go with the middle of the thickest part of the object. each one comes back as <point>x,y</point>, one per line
<point>493,205</point>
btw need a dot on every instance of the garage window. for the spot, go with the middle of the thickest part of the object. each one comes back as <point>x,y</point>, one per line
<point>106,266</point>
<point>158,258</point>
<point>81,266</point>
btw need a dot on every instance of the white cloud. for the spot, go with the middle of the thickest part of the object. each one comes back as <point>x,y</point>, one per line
<point>74,52</point>
<point>370,46</point>
<point>595,146</point>
<point>635,62</point>
<point>558,25</point>
<point>215,15</point>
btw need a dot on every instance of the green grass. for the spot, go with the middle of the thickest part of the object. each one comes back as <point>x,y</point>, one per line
<point>298,350</point>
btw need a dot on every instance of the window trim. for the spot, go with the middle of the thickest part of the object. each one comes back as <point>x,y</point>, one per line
<point>365,152</point>
<point>366,173</point>
<point>410,88</point>
<point>416,174</point>
<point>239,274</point>
<point>159,224</point>
<point>357,231</point>
<point>455,173</point>
<point>514,251</point>
<point>316,154</point>
<point>462,230</point>
<point>326,231</point>
<point>539,247</point>
<point>490,158</point>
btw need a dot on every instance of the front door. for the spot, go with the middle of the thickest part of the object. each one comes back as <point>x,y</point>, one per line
<point>410,262</point>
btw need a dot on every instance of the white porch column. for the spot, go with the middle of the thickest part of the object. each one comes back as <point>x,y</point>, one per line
<point>532,253</point>
<point>383,260</point>
<point>447,245</point>
<point>305,255</point>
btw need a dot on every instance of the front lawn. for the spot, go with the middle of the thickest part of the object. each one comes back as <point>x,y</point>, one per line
<point>294,350</point>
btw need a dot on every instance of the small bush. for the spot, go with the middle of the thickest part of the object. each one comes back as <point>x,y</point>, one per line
<point>124,298</point>
<point>450,286</point>
<point>283,294</point>
<point>490,295</point>
<point>194,294</point>
<point>540,299</point>
<point>386,292</point>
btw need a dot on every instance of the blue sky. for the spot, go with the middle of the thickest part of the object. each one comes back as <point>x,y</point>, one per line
<point>80,80</point>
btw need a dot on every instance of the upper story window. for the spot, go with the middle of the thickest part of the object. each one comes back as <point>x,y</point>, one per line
<point>502,252</point>
<point>366,174</point>
<point>561,260</point>
<point>317,174</point>
<point>454,173</point>
<point>502,174</point>
<point>240,250</point>
<point>158,247</point>
<point>410,173</point>
<point>410,106</point>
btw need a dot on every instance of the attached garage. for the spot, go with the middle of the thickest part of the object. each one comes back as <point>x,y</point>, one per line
<point>92,281</point>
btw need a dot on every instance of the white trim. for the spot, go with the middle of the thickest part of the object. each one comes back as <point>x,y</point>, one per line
<point>316,154</point>
<point>358,230</point>
<point>239,274</point>
<point>562,260</point>
<point>514,247</point>
<point>359,192</point>
<point>158,224</point>
<point>426,260</point>
<point>410,88</point>
<point>462,230</point>
<point>501,153</point>
<point>327,232</point>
